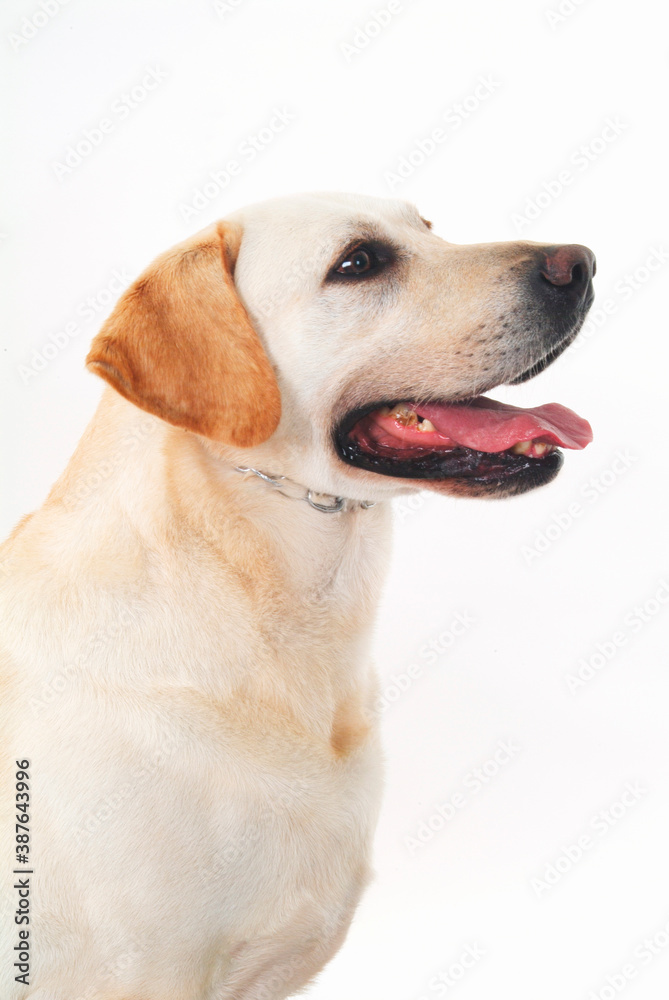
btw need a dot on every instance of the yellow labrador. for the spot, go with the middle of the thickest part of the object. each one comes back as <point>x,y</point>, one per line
<point>191,765</point>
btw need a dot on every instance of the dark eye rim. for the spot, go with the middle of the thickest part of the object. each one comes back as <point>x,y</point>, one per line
<point>381,255</point>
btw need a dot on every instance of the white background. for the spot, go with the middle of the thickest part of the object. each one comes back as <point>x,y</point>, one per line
<point>536,614</point>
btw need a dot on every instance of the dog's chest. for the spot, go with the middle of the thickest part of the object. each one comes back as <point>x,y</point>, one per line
<point>244,830</point>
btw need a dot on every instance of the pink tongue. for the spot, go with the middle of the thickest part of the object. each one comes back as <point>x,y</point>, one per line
<point>486,425</point>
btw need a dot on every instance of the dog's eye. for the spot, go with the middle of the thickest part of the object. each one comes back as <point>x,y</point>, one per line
<point>362,261</point>
<point>359,262</point>
<point>366,260</point>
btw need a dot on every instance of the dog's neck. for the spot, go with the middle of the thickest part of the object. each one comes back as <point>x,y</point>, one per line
<point>148,517</point>
<point>171,482</point>
<point>323,502</point>
<point>326,545</point>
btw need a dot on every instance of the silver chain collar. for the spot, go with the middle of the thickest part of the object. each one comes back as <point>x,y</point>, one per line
<point>276,482</point>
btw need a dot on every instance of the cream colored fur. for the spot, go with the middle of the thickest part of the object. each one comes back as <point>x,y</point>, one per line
<point>186,657</point>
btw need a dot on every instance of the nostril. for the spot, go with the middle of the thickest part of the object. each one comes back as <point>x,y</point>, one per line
<point>577,274</point>
<point>569,267</point>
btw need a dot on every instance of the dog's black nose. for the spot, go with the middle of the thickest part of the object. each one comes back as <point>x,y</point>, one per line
<point>567,272</point>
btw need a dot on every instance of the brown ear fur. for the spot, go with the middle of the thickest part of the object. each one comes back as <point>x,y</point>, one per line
<point>180,344</point>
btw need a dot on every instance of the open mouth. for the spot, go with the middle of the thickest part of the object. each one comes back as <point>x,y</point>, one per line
<point>477,446</point>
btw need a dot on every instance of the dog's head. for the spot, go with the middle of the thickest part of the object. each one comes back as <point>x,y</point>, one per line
<point>336,340</point>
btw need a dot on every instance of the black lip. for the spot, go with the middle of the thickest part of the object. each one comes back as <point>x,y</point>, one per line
<point>483,472</point>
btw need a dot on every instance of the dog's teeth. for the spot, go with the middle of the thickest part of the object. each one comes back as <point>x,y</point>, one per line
<point>540,448</point>
<point>384,411</point>
<point>521,448</point>
<point>403,415</point>
<point>426,425</point>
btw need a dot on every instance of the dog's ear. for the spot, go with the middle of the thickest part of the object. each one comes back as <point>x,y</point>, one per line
<point>180,344</point>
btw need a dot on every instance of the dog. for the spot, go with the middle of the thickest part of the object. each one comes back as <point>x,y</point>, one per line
<point>187,715</point>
